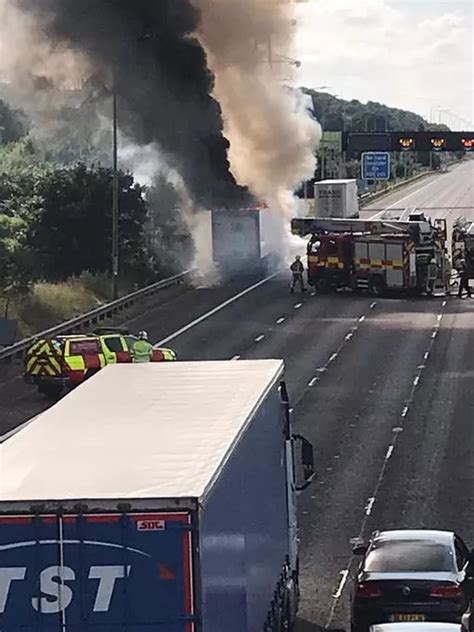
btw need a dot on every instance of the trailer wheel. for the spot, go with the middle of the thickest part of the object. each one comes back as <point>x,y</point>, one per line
<point>376,286</point>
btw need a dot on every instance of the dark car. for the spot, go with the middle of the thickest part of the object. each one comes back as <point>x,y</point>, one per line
<point>410,576</point>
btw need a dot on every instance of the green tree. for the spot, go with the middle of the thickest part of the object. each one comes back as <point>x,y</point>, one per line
<point>72,231</point>
<point>13,124</point>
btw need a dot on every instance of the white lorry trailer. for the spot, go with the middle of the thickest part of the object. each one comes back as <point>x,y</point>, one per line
<point>336,199</point>
<point>155,497</point>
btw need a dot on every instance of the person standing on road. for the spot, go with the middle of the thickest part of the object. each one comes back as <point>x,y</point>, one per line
<point>297,270</point>
<point>431,277</point>
<point>447,274</point>
<point>142,349</point>
<point>464,279</point>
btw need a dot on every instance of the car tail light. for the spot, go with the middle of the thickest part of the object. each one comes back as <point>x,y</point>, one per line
<point>368,590</point>
<point>445,591</point>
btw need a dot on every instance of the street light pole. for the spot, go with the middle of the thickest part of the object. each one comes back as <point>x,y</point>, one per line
<point>115,198</point>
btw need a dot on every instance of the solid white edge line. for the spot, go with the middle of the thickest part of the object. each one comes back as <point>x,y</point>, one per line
<point>217,309</point>
<point>406,197</point>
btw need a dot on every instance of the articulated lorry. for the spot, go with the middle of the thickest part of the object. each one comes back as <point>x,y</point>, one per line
<point>155,497</point>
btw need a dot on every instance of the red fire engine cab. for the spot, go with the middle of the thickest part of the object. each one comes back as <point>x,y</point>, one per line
<point>378,256</point>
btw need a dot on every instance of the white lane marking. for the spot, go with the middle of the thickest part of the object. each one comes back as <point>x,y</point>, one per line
<point>427,355</point>
<point>405,411</point>
<point>291,410</point>
<point>440,316</point>
<point>434,334</point>
<point>445,303</point>
<point>215,310</point>
<point>313,294</point>
<point>372,305</point>
<point>344,576</point>
<point>298,305</point>
<point>322,369</point>
<point>361,319</point>
<point>349,336</point>
<point>389,452</point>
<point>260,338</point>
<point>236,357</point>
<point>369,506</point>
<point>416,381</point>
<point>313,381</point>
<point>410,195</point>
<point>422,366</point>
<point>333,357</point>
<point>280,321</point>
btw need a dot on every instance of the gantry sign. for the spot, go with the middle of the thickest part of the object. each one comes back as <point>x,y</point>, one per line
<point>408,141</point>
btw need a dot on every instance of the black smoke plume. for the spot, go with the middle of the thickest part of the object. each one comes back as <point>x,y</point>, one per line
<point>162,80</point>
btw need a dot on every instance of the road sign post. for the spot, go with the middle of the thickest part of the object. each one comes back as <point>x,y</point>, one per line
<point>375,165</point>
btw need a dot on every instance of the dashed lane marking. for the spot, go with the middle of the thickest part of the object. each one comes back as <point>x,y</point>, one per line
<point>369,506</point>
<point>260,338</point>
<point>371,501</point>
<point>280,321</point>
<point>215,310</point>
<point>312,382</point>
<point>344,576</point>
<point>298,305</point>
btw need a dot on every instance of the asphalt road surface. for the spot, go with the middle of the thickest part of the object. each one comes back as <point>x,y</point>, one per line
<point>383,389</point>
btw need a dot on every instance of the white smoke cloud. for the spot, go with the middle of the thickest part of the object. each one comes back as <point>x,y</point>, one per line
<point>272,137</point>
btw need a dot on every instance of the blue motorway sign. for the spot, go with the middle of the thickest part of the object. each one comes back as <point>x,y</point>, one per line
<point>376,165</point>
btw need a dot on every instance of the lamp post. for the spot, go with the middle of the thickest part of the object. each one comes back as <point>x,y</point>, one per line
<point>115,195</point>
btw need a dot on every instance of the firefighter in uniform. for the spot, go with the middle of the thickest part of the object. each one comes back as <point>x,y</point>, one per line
<point>142,349</point>
<point>431,276</point>
<point>464,279</point>
<point>297,270</point>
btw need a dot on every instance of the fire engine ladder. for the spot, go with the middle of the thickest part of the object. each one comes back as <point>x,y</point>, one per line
<point>303,226</point>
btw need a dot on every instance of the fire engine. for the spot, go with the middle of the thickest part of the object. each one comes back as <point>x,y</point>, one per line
<point>373,255</point>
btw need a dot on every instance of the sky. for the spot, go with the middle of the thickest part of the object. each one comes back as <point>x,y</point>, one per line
<point>413,54</point>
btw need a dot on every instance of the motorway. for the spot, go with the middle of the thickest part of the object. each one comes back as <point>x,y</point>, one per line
<point>383,389</point>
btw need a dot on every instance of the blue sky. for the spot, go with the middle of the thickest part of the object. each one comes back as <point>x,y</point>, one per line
<point>414,54</point>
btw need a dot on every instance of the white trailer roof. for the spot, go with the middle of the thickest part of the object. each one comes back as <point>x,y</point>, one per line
<point>137,431</point>
<point>341,181</point>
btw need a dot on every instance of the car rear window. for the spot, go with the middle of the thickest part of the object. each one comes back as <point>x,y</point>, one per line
<point>84,347</point>
<point>398,556</point>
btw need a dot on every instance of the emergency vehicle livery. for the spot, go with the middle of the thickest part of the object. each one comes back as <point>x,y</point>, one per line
<point>64,362</point>
<point>378,256</point>
<point>162,516</point>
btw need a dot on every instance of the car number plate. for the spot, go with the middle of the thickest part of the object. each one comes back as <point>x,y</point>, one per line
<point>406,618</point>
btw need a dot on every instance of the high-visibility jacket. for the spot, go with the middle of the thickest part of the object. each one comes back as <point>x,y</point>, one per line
<point>142,351</point>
